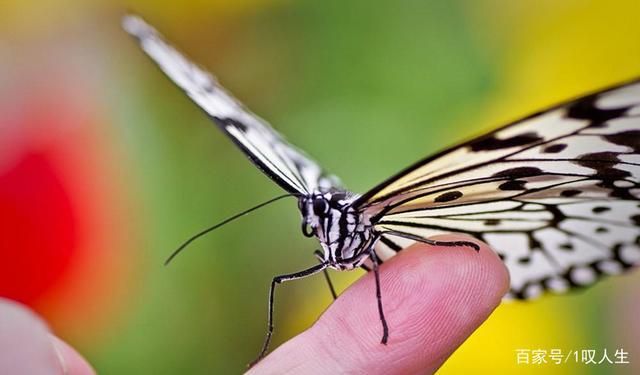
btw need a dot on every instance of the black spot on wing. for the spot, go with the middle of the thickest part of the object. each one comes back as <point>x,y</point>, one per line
<point>570,193</point>
<point>519,172</point>
<point>584,109</point>
<point>492,222</point>
<point>492,143</point>
<point>636,220</point>
<point>603,163</point>
<point>524,260</point>
<point>616,192</point>
<point>566,246</point>
<point>597,160</point>
<point>554,149</point>
<point>600,209</point>
<point>513,185</point>
<point>602,230</point>
<point>448,196</point>
<point>613,174</point>
<point>630,138</point>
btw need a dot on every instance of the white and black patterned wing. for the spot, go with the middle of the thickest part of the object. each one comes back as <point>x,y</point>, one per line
<point>556,194</point>
<point>292,169</point>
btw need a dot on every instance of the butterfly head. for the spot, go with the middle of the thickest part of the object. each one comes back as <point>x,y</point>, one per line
<point>320,208</point>
<point>340,229</point>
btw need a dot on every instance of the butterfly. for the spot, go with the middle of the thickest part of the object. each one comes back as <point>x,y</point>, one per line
<point>555,194</point>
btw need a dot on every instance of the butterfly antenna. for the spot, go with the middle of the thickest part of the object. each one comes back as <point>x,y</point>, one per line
<point>205,231</point>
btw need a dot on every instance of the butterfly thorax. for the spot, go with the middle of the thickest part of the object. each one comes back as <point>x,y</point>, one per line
<point>344,233</point>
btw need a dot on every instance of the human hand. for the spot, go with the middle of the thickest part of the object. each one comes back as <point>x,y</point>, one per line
<point>434,298</point>
<point>27,347</point>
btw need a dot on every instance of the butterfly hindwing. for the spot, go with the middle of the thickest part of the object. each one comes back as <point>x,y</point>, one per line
<point>289,167</point>
<point>556,195</point>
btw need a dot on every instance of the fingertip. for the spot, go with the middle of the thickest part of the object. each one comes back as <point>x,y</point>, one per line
<point>496,268</point>
<point>434,297</point>
<point>72,362</point>
<point>24,345</point>
<point>27,346</point>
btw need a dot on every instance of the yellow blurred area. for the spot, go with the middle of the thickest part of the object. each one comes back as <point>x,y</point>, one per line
<point>45,16</point>
<point>556,51</point>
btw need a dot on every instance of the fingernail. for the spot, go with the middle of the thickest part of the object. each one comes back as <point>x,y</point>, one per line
<point>58,350</point>
<point>71,362</point>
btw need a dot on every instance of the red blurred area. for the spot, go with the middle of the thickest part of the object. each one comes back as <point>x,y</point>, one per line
<point>37,228</point>
<point>65,229</point>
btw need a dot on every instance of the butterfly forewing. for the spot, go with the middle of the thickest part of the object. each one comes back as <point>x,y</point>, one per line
<point>556,194</point>
<point>289,167</point>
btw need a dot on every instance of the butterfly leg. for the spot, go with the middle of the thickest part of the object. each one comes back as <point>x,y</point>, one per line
<point>320,256</point>
<point>470,244</point>
<point>277,280</point>
<point>376,273</point>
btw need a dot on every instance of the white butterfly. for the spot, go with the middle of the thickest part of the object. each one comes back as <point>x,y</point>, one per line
<point>556,194</point>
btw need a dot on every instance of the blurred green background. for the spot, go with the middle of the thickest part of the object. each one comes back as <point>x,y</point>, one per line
<point>105,166</point>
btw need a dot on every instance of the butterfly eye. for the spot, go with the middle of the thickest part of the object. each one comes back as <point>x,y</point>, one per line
<point>320,207</point>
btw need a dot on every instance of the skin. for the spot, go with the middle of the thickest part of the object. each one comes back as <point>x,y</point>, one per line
<point>28,347</point>
<point>434,298</point>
